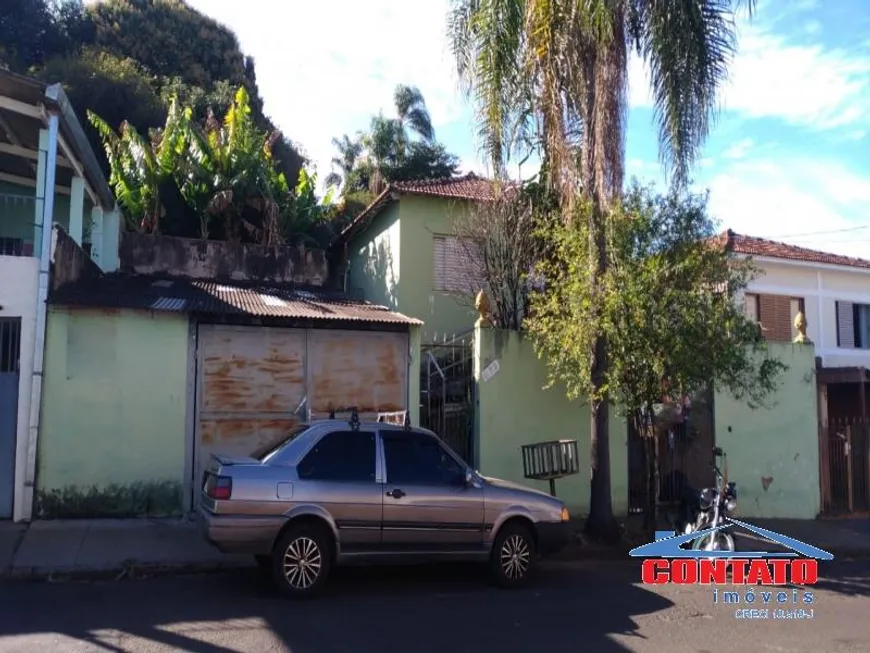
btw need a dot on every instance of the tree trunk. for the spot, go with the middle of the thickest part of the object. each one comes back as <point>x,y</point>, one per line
<point>600,523</point>
<point>650,513</point>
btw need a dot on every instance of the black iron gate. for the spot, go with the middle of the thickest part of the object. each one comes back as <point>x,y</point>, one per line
<point>447,392</point>
<point>682,453</point>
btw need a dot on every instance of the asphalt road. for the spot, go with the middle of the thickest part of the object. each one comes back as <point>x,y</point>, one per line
<point>596,607</point>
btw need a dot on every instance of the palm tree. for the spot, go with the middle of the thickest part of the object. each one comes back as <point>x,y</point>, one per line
<point>349,151</point>
<point>553,74</point>
<point>411,115</point>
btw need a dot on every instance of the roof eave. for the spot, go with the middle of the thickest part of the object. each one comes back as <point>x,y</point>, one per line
<point>55,94</point>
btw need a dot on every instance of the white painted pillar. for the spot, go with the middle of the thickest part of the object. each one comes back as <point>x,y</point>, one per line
<point>28,431</point>
<point>76,209</point>
<point>97,235</point>
<point>111,240</point>
<point>40,192</point>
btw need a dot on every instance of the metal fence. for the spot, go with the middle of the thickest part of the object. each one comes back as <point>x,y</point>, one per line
<point>846,466</point>
<point>671,451</point>
<point>447,392</point>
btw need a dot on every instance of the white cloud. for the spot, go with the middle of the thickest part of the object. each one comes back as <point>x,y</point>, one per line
<point>324,68</point>
<point>804,85</point>
<point>812,27</point>
<point>804,201</point>
<point>739,149</point>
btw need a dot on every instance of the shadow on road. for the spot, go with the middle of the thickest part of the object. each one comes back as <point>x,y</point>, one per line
<point>851,577</point>
<point>569,608</point>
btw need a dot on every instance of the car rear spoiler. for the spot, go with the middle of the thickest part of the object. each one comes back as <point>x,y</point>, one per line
<point>228,461</point>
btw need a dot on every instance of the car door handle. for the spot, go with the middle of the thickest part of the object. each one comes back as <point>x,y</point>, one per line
<point>396,494</point>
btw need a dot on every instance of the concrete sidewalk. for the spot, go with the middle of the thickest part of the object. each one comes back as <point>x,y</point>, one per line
<point>76,547</point>
<point>106,547</point>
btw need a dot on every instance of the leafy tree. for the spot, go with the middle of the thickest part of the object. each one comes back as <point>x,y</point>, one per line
<point>170,39</point>
<point>553,76</point>
<point>117,89</point>
<point>423,161</point>
<point>31,30</point>
<point>666,303</point>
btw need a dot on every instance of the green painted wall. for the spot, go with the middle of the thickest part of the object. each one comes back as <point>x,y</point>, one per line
<point>374,259</point>
<point>443,313</point>
<point>777,445</point>
<point>392,264</point>
<point>18,217</point>
<point>112,439</point>
<point>514,409</point>
<point>414,337</point>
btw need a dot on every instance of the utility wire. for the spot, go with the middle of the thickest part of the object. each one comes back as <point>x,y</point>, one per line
<point>819,233</point>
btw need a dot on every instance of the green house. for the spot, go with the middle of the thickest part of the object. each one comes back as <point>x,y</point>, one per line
<point>402,252</point>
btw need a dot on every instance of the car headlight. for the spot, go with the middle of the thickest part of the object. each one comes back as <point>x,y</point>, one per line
<point>731,505</point>
<point>565,515</point>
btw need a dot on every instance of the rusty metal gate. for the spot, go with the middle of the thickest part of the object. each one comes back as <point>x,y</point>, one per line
<point>447,392</point>
<point>846,466</point>
<point>10,348</point>
<point>254,383</point>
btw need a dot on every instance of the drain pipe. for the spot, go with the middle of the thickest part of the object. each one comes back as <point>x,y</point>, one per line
<point>47,224</point>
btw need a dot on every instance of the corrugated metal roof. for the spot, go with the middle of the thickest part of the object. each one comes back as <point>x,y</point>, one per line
<point>221,298</point>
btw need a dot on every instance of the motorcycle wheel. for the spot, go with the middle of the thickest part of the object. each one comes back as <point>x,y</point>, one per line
<point>718,541</point>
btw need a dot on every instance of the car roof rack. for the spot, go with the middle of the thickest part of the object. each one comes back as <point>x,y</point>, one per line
<point>401,417</point>
<point>354,416</point>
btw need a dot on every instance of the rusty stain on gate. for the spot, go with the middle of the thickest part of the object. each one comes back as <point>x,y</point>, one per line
<point>256,383</point>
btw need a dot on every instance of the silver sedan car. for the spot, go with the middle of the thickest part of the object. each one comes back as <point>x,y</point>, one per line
<point>335,492</point>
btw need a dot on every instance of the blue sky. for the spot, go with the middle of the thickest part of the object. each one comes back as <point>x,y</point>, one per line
<point>788,158</point>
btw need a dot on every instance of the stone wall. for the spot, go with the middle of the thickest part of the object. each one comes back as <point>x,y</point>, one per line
<point>221,261</point>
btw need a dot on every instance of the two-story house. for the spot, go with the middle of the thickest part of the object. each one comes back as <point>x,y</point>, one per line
<point>48,175</point>
<point>403,252</point>
<point>833,292</point>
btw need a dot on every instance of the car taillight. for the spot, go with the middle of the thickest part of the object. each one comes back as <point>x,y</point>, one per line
<point>219,488</point>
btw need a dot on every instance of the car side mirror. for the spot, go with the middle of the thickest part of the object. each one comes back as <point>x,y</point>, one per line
<point>469,476</point>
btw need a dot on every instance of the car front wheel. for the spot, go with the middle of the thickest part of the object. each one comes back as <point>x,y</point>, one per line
<point>301,561</point>
<point>513,556</point>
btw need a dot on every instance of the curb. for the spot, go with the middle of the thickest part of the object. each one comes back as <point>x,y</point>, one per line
<point>134,570</point>
<point>139,571</point>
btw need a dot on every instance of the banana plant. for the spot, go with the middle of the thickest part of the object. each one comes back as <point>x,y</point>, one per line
<point>228,173</point>
<point>139,166</point>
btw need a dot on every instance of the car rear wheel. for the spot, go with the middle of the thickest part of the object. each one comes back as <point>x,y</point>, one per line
<point>301,561</point>
<point>513,557</point>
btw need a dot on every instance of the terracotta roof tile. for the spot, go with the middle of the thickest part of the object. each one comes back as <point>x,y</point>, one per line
<point>469,187</point>
<point>752,246</point>
<point>221,298</point>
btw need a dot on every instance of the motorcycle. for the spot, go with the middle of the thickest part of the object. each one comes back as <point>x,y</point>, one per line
<point>710,507</point>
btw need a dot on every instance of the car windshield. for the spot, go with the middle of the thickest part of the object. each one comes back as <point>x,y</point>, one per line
<point>267,450</point>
